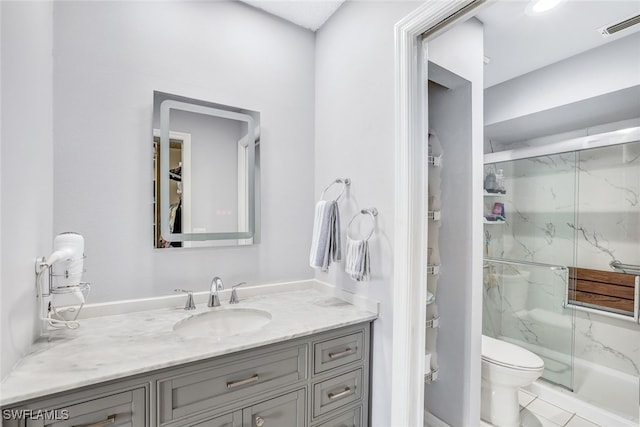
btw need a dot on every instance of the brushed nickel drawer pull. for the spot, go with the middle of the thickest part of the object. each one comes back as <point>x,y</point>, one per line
<point>259,421</point>
<point>344,353</point>
<point>110,420</point>
<point>249,380</point>
<point>347,391</point>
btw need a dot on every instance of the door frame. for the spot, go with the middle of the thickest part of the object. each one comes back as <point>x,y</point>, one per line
<point>410,242</point>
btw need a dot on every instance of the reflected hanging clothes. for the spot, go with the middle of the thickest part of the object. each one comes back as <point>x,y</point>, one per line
<point>175,221</point>
<point>175,210</point>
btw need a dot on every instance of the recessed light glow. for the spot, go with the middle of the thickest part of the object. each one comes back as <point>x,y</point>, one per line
<point>537,7</point>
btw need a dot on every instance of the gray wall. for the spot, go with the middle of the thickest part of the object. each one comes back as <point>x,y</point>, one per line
<point>214,169</point>
<point>27,168</point>
<point>109,57</point>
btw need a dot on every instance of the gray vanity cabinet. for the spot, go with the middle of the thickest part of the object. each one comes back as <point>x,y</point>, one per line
<point>123,409</point>
<point>233,419</point>
<point>317,381</point>
<point>351,418</point>
<point>282,411</point>
<point>231,379</point>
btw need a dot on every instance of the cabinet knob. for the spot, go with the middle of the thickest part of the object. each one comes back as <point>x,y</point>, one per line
<point>259,421</point>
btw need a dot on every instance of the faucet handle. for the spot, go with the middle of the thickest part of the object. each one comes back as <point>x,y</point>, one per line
<point>234,295</point>
<point>190,304</point>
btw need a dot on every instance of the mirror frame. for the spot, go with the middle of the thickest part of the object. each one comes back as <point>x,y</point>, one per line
<point>165,107</point>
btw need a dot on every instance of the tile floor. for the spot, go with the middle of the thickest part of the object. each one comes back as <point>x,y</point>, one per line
<point>536,412</point>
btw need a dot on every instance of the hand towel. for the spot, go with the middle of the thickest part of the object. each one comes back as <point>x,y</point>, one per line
<point>325,243</point>
<point>357,263</point>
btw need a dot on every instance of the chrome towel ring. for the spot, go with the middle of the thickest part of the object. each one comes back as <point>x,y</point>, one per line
<point>372,212</point>
<point>344,181</point>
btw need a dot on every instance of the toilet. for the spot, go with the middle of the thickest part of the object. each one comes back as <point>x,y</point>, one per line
<point>505,368</point>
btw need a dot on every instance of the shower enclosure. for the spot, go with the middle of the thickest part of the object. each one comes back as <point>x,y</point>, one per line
<point>555,218</point>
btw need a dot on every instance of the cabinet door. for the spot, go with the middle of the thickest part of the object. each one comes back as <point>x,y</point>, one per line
<point>283,411</point>
<point>126,409</point>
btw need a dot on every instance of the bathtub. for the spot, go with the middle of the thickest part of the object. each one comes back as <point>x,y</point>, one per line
<point>608,396</point>
<point>605,396</point>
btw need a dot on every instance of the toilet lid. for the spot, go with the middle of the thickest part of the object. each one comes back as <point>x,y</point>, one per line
<point>509,355</point>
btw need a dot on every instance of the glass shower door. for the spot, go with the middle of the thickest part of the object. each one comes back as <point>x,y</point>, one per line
<point>607,349</point>
<point>527,250</point>
<point>528,311</point>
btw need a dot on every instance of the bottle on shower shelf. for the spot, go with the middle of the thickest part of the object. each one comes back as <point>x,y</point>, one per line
<point>490,184</point>
<point>500,182</point>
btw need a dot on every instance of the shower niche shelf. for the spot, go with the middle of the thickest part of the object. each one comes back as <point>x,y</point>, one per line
<point>496,222</point>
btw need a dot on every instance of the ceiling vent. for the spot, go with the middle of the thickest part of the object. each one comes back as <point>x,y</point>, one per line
<point>611,29</point>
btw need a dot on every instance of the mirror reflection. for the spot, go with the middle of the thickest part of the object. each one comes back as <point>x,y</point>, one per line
<point>205,162</point>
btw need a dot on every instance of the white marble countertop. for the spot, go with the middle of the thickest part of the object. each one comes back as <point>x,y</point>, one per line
<point>117,346</point>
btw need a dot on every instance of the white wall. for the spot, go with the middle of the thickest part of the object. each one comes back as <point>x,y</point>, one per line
<point>109,57</point>
<point>27,168</point>
<point>355,139</point>
<point>599,71</point>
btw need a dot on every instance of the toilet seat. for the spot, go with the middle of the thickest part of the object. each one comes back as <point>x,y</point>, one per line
<point>508,355</point>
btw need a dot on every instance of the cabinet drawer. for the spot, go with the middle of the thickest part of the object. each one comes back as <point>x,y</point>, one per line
<point>117,410</point>
<point>336,392</point>
<point>351,418</point>
<point>337,352</point>
<point>215,386</point>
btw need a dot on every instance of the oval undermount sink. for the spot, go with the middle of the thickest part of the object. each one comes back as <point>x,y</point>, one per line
<point>223,322</point>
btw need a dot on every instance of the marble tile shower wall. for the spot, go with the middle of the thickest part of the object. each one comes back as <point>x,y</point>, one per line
<point>607,228</point>
<point>578,209</point>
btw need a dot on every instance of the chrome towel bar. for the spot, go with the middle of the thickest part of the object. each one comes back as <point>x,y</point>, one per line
<point>519,262</point>
<point>619,267</point>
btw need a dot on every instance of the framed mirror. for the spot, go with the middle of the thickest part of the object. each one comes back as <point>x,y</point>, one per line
<point>206,160</point>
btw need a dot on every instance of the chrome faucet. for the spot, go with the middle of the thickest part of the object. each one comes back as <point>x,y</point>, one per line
<point>189,305</point>
<point>216,285</point>
<point>234,295</point>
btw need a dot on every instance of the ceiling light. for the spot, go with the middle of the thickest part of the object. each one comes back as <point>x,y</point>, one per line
<point>537,7</point>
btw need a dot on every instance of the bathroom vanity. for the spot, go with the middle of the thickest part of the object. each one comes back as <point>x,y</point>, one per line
<point>317,378</point>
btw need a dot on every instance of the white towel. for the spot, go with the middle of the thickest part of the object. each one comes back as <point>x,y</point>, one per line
<point>325,243</point>
<point>357,263</point>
